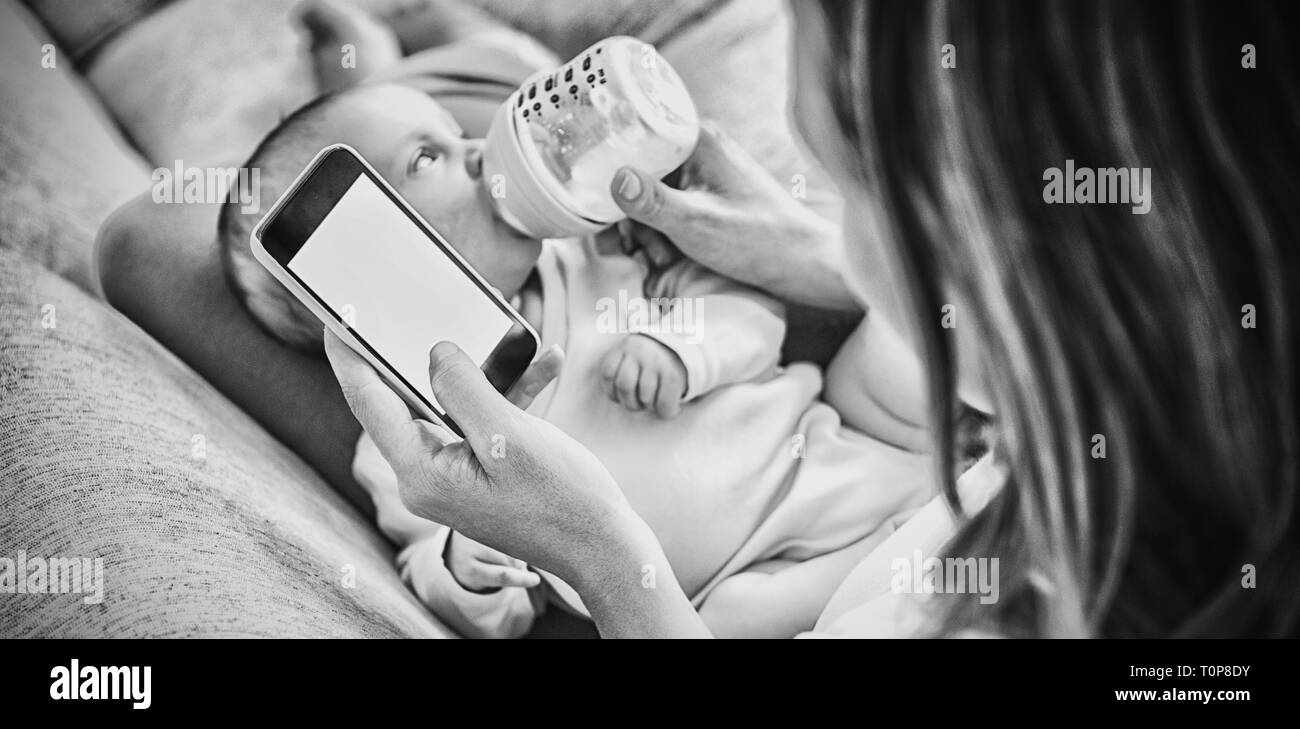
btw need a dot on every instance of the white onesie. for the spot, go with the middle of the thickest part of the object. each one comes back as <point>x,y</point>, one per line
<point>753,469</point>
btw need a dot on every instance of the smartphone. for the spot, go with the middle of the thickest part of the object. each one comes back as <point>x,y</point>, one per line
<point>380,277</point>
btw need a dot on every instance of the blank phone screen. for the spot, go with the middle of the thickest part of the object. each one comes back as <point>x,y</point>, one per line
<point>395,287</point>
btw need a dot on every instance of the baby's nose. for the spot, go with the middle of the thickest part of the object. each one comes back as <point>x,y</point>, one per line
<point>474,160</point>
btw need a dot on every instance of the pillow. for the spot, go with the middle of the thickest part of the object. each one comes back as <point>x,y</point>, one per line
<point>203,83</point>
<point>80,26</point>
<point>63,165</point>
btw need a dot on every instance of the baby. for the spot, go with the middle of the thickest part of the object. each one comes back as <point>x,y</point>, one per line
<point>742,474</point>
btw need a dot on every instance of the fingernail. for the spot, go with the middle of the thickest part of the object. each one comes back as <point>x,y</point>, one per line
<point>629,185</point>
<point>441,350</point>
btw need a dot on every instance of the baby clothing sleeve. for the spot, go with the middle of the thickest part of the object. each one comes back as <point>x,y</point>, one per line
<point>506,613</point>
<point>724,331</point>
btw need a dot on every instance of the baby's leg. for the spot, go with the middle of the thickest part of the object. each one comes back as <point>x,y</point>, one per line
<point>347,43</point>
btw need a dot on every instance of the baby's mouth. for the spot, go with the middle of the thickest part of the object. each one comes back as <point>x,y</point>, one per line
<point>509,230</point>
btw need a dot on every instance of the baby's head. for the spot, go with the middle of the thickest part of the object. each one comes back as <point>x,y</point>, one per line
<point>421,151</point>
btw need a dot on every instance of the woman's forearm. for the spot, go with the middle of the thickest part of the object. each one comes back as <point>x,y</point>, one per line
<point>806,267</point>
<point>631,591</point>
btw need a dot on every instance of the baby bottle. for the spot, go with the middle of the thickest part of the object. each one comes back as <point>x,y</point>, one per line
<point>555,145</point>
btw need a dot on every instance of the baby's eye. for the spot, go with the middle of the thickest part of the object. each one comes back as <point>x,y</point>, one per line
<point>423,158</point>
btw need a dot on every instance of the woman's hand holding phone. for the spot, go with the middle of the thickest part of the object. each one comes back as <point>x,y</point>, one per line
<point>516,483</point>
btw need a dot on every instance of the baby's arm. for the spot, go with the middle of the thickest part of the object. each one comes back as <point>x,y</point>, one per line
<point>780,598</point>
<point>722,332</point>
<point>733,333</point>
<point>711,332</point>
<point>505,612</point>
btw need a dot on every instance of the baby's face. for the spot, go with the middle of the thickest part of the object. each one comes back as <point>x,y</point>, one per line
<point>422,152</point>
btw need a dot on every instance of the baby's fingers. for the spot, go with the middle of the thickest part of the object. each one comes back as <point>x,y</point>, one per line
<point>493,575</point>
<point>672,388</point>
<point>626,382</point>
<point>609,372</point>
<point>648,387</point>
<point>669,401</point>
<point>490,556</point>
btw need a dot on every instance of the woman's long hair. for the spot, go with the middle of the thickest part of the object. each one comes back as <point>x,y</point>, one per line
<point>1099,323</point>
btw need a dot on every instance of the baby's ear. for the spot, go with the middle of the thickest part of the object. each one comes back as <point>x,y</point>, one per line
<point>312,339</point>
<point>122,238</point>
<point>308,332</point>
<point>284,318</point>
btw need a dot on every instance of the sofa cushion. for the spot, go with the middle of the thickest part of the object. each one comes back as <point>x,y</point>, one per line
<point>63,165</point>
<point>569,26</point>
<point>111,448</point>
<point>80,26</point>
<point>202,82</point>
<point>208,103</point>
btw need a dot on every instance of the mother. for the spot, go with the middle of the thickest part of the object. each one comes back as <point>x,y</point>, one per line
<point>1142,367</point>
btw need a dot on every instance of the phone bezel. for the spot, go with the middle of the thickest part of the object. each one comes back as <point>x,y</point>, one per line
<point>321,185</point>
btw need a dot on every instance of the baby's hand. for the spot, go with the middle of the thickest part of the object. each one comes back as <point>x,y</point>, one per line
<point>480,568</point>
<point>642,374</point>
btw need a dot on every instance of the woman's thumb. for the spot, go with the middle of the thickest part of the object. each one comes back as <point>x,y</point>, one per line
<point>466,395</point>
<point>642,197</point>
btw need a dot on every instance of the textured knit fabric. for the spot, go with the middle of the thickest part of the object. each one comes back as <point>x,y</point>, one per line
<point>110,448</point>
